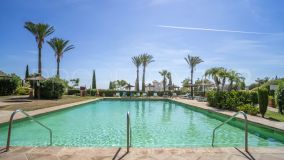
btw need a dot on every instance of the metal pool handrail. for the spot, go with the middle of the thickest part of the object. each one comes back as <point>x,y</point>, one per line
<point>245,126</point>
<point>30,117</point>
<point>128,131</point>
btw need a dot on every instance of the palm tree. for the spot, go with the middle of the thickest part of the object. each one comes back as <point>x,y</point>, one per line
<point>192,62</point>
<point>214,74</point>
<point>136,60</point>
<point>164,73</point>
<point>169,76</point>
<point>223,75</point>
<point>145,59</point>
<point>59,46</point>
<point>40,31</point>
<point>233,76</point>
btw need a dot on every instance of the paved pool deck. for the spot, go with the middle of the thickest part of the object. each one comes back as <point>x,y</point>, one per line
<point>79,153</point>
<point>259,120</point>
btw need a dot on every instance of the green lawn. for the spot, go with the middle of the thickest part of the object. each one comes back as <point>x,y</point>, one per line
<point>274,116</point>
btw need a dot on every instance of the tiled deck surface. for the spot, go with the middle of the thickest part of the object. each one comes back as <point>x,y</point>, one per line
<point>63,153</point>
<point>255,119</point>
<point>5,115</point>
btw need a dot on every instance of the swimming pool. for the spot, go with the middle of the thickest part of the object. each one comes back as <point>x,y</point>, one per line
<point>154,123</point>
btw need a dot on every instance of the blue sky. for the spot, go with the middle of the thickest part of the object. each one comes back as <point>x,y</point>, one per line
<point>244,35</point>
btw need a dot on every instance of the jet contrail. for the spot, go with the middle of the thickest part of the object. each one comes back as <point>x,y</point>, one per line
<point>210,29</point>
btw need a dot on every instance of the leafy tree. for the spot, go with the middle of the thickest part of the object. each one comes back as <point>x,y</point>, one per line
<point>192,61</point>
<point>59,46</point>
<point>112,85</point>
<point>262,81</point>
<point>40,31</point>
<point>146,59</point>
<point>121,84</point>
<point>94,81</point>
<point>185,82</point>
<point>136,60</point>
<point>75,82</point>
<point>164,74</point>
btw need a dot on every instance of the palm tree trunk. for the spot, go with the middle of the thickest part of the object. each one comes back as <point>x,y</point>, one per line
<point>143,79</point>
<point>39,59</point>
<point>164,84</point>
<point>137,80</point>
<point>191,81</point>
<point>58,63</point>
<point>223,83</point>
<point>231,86</point>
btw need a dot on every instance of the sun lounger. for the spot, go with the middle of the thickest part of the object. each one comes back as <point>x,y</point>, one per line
<point>117,94</point>
<point>174,95</point>
<point>138,94</point>
<point>144,94</point>
<point>155,94</point>
<point>124,94</point>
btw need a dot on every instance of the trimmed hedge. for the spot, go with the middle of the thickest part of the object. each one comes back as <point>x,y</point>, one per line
<point>249,109</point>
<point>7,86</point>
<point>73,91</point>
<point>52,88</point>
<point>230,100</point>
<point>110,93</point>
<point>23,91</point>
<point>263,100</point>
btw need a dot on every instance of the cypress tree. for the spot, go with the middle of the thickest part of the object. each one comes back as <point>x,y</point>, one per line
<point>94,84</point>
<point>27,72</point>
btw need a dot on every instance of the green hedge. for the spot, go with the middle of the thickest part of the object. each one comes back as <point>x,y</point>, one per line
<point>249,109</point>
<point>52,88</point>
<point>73,91</point>
<point>23,91</point>
<point>7,86</point>
<point>231,100</point>
<point>263,100</point>
<point>110,93</point>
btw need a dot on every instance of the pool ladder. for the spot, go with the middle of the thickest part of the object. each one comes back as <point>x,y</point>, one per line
<point>30,117</point>
<point>245,126</point>
<point>128,131</point>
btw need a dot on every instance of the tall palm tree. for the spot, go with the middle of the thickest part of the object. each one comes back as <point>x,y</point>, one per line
<point>40,31</point>
<point>214,74</point>
<point>169,76</point>
<point>136,60</point>
<point>192,61</point>
<point>233,76</point>
<point>59,46</point>
<point>146,59</point>
<point>223,75</point>
<point>164,73</point>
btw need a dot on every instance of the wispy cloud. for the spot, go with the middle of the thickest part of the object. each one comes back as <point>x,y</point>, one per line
<point>211,30</point>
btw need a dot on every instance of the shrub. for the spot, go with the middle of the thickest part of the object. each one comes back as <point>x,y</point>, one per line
<point>249,109</point>
<point>22,91</point>
<point>52,88</point>
<point>8,86</point>
<point>73,91</point>
<point>253,97</point>
<point>230,100</point>
<point>263,100</point>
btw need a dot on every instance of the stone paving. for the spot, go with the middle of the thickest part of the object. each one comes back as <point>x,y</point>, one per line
<point>79,153</point>
<point>255,119</point>
<point>5,115</point>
